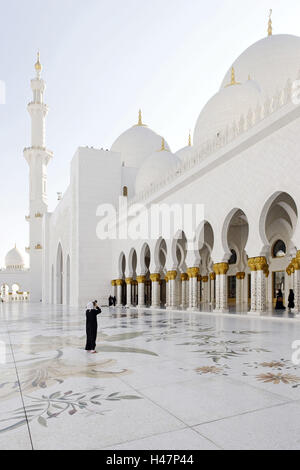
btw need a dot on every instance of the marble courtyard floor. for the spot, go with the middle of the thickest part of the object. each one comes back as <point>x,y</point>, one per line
<point>161,380</point>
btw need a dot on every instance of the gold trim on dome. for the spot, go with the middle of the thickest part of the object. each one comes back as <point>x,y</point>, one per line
<point>193,272</point>
<point>270,26</point>
<point>141,279</point>
<point>155,277</point>
<point>233,80</point>
<point>172,275</point>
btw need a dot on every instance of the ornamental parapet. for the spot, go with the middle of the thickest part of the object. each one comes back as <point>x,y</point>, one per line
<point>193,272</point>
<point>221,269</point>
<point>155,277</point>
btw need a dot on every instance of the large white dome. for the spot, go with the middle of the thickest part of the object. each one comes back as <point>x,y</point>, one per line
<point>14,259</point>
<point>224,108</point>
<point>270,62</point>
<point>136,144</point>
<point>154,168</point>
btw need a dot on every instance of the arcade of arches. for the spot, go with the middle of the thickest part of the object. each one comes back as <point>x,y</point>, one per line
<point>169,276</point>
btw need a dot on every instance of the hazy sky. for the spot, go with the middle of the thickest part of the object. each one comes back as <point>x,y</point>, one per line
<point>103,60</point>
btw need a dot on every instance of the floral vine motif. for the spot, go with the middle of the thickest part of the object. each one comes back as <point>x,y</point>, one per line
<point>278,378</point>
<point>209,370</point>
<point>57,404</point>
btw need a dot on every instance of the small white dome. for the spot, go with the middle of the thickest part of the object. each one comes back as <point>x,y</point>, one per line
<point>154,168</point>
<point>136,144</point>
<point>227,106</point>
<point>270,61</point>
<point>185,153</point>
<point>14,259</point>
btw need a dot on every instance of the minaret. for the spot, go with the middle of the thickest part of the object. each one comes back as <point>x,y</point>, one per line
<point>37,157</point>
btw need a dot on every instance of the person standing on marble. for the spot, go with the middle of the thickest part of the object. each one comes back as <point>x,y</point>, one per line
<point>91,326</point>
<point>291,300</point>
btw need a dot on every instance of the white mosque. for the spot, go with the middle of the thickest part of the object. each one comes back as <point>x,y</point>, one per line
<point>242,167</point>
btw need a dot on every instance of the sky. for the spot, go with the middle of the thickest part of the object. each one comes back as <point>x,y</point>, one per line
<point>102,61</point>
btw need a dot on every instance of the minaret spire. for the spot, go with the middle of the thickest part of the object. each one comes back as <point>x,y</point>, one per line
<point>37,157</point>
<point>163,146</point>
<point>270,26</point>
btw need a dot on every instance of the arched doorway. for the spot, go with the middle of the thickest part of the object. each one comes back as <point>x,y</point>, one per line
<point>59,275</point>
<point>277,226</point>
<point>235,236</point>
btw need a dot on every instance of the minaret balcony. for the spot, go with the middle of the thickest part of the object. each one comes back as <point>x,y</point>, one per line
<point>32,151</point>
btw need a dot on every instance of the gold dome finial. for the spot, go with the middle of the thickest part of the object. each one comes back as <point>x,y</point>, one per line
<point>233,80</point>
<point>140,122</point>
<point>38,67</point>
<point>270,27</point>
<point>163,147</point>
<point>190,139</point>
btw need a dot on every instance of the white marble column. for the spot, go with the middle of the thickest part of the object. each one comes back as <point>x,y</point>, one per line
<point>221,270</point>
<point>212,277</point>
<point>193,288</point>
<point>128,287</point>
<point>259,270</point>
<point>240,277</point>
<point>205,287</point>
<point>119,292</point>
<point>199,283</point>
<point>141,291</point>
<point>172,275</point>
<point>155,301</point>
<point>296,265</point>
<point>184,291</point>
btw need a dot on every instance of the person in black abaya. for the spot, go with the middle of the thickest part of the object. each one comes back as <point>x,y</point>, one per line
<point>291,300</point>
<point>91,326</point>
<point>279,301</point>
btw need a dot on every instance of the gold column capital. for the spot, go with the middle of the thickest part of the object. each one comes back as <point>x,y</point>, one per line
<point>241,276</point>
<point>252,264</point>
<point>119,282</point>
<point>298,255</point>
<point>141,279</point>
<point>128,280</point>
<point>184,277</point>
<point>155,277</point>
<point>193,272</point>
<point>205,279</point>
<point>172,275</point>
<point>114,283</point>
<point>221,268</point>
<point>261,263</point>
<point>199,278</point>
<point>296,264</point>
<point>212,276</point>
